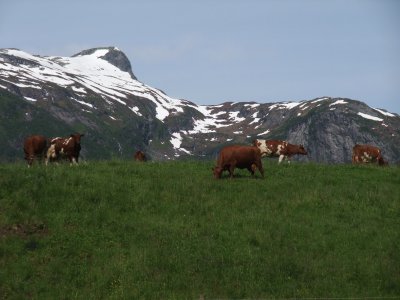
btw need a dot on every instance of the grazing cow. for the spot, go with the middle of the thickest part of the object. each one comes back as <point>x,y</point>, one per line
<point>281,149</point>
<point>242,157</point>
<point>66,147</point>
<point>35,146</point>
<point>367,154</point>
<point>139,156</point>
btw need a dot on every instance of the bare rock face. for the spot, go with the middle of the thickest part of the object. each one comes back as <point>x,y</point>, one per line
<point>330,134</point>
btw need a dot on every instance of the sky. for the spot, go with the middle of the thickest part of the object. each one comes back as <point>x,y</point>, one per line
<point>212,51</point>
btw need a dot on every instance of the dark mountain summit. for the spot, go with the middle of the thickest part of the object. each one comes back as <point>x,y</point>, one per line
<point>114,56</point>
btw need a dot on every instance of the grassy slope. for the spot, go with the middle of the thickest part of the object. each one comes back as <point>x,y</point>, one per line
<point>15,127</point>
<point>169,230</point>
<point>20,118</point>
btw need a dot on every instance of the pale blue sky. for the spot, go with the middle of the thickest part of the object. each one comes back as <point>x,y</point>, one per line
<point>213,51</point>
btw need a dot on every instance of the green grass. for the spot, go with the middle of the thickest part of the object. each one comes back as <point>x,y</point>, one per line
<point>125,230</point>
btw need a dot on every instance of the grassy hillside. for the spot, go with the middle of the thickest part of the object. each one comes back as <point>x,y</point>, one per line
<point>19,119</point>
<point>124,230</point>
<point>103,139</point>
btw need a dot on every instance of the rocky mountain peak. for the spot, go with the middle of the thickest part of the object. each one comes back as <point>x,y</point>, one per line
<point>114,56</point>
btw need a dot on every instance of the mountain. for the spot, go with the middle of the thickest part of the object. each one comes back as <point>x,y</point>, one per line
<point>96,92</point>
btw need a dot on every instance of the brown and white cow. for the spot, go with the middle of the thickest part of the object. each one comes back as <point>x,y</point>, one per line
<point>277,148</point>
<point>68,147</point>
<point>139,156</point>
<point>35,146</point>
<point>237,156</point>
<point>367,154</point>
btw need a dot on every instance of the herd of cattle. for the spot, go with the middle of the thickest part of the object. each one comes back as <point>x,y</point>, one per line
<point>229,158</point>
<point>53,149</point>
<point>249,157</point>
<point>39,147</point>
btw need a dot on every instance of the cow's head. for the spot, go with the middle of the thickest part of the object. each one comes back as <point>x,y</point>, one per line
<point>77,137</point>
<point>382,162</point>
<point>256,143</point>
<point>217,172</point>
<point>301,150</point>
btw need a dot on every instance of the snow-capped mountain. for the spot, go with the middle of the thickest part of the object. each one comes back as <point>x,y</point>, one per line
<point>86,73</point>
<point>96,92</point>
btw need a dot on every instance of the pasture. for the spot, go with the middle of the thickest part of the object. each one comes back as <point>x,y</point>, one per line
<point>169,230</point>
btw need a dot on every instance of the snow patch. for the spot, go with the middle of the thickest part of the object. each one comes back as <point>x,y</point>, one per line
<point>21,85</point>
<point>79,90</point>
<point>256,120</point>
<point>135,109</point>
<point>369,117</point>
<point>284,105</point>
<point>30,99</point>
<point>265,132</point>
<point>176,140</point>
<point>338,102</point>
<point>82,102</point>
<point>234,116</point>
<point>320,99</point>
<point>209,122</point>
<point>185,150</point>
<point>385,113</point>
<point>252,105</point>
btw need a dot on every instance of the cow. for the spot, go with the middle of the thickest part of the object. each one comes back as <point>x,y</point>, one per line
<point>238,156</point>
<point>277,148</point>
<point>367,154</point>
<point>35,146</point>
<point>139,156</point>
<point>68,147</point>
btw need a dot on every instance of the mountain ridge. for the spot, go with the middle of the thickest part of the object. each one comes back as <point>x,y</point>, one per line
<point>97,92</point>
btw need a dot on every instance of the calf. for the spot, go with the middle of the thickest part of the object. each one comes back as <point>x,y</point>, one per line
<point>367,154</point>
<point>35,146</point>
<point>281,149</point>
<point>69,147</point>
<point>242,157</point>
<point>139,156</point>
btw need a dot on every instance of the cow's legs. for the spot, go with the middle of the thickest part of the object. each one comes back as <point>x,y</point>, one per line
<point>252,169</point>
<point>73,160</point>
<point>231,169</point>
<point>258,164</point>
<point>30,160</point>
<point>281,158</point>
